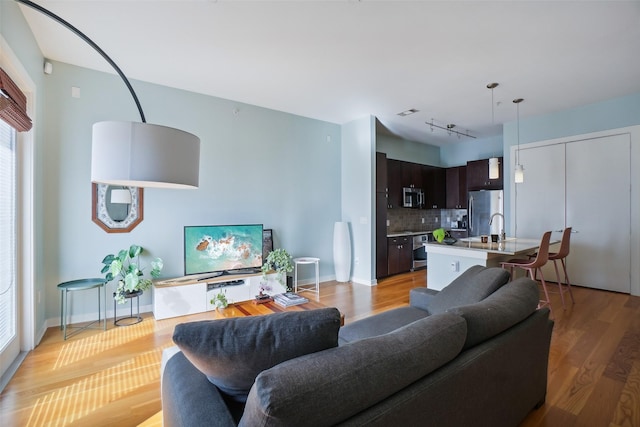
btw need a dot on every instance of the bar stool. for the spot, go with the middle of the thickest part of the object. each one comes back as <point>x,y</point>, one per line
<point>306,260</point>
<point>560,256</point>
<point>535,265</point>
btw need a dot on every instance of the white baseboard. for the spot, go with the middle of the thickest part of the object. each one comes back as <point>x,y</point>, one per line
<point>365,282</point>
<point>123,310</point>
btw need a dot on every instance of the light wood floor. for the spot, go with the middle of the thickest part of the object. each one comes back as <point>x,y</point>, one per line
<point>111,378</point>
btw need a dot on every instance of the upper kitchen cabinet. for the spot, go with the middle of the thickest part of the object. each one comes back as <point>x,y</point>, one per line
<point>456,188</point>
<point>434,186</point>
<point>394,183</point>
<point>411,175</point>
<point>381,173</point>
<point>478,176</point>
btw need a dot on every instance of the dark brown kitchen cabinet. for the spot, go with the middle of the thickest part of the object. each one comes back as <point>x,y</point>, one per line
<point>381,235</point>
<point>478,176</point>
<point>456,188</point>
<point>381,172</point>
<point>411,175</point>
<point>394,183</point>
<point>434,186</point>
<point>399,254</point>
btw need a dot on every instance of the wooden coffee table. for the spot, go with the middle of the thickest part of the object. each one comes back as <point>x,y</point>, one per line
<point>249,308</point>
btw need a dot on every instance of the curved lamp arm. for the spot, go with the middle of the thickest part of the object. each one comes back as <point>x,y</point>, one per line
<point>90,43</point>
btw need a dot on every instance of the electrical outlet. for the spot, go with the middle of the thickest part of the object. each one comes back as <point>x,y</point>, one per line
<point>437,220</point>
<point>422,220</point>
<point>356,260</point>
<point>455,266</point>
<point>388,223</point>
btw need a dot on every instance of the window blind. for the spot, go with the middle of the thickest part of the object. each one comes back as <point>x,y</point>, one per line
<point>7,234</point>
<point>13,104</point>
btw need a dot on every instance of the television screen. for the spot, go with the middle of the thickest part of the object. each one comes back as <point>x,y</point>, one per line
<point>222,248</point>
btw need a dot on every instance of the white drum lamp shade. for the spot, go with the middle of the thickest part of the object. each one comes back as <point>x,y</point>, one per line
<point>135,154</point>
<point>342,251</point>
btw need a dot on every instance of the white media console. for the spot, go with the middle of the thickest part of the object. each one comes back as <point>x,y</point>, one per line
<point>193,294</point>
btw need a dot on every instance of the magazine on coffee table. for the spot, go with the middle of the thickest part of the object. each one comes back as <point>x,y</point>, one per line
<point>289,299</point>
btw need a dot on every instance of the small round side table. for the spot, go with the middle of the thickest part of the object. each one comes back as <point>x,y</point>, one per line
<point>80,285</point>
<point>136,318</point>
<point>306,260</point>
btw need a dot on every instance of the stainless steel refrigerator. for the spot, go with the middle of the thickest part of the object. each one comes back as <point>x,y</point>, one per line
<point>482,204</point>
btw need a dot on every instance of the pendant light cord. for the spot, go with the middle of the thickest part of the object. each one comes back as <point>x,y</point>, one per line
<point>90,43</point>
<point>518,118</point>
<point>517,101</point>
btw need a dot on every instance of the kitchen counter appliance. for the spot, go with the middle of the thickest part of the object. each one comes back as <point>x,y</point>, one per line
<point>412,197</point>
<point>419,258</point>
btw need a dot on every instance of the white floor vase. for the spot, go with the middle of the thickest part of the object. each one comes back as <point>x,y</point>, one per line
<point>342,251</point>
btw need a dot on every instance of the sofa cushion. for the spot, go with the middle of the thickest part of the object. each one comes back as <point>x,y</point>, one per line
<point>474,285</point>
<point>379,324</point>
<point>504,308</point>
<point>232,352</point>
<point>330,386</point>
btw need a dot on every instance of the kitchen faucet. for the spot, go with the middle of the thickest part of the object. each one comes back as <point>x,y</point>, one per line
<point>503,235</point>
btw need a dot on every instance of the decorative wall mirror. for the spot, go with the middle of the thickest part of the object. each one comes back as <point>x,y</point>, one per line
<point>116,209</point>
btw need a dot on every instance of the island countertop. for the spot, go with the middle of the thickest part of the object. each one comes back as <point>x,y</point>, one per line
<point>446,262</point>
<point>512,246</point>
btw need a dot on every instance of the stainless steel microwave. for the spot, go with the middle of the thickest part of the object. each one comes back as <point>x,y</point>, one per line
<point>412,197</point>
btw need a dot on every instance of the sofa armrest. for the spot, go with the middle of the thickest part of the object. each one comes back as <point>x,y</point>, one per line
<point>188,398</point>
<point>419,297</point>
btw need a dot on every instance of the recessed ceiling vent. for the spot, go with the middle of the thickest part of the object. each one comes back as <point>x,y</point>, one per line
<point>408,112</point>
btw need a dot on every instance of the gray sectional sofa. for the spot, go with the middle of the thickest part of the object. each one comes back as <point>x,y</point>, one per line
<point>474,353</point>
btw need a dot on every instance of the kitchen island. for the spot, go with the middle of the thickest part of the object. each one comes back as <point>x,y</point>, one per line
<point>446,262</point>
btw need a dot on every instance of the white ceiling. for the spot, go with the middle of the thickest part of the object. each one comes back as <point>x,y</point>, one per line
<point>342,60</point>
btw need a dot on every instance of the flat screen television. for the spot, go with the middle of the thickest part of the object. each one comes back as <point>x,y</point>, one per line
<point>220,249</point>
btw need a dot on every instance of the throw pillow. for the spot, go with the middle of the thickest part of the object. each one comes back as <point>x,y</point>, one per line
<point>232,352</point>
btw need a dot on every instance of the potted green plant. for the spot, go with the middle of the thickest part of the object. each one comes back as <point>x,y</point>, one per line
<point>126,267</point>
<point>220,300</point>
<point>279,261</point>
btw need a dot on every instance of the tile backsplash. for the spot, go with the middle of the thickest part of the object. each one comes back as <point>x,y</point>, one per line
<point>405,219</point>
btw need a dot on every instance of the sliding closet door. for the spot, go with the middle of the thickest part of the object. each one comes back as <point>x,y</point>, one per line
<point>540,199</point>
<point>598,182</point>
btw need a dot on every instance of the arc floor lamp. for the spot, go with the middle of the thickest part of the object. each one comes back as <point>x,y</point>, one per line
<point>137,154</point>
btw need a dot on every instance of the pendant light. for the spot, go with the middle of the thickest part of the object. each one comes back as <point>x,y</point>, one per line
<point>494,163</point>
<point>519,172</point>
<point>494,168</point>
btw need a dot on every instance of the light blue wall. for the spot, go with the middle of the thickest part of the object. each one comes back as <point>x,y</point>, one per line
<point>18,36</point>
<point>358,186</point>
<point>611,114</point>
<point>256,166</point>
<point>408,151</point>
<point>460,153</point>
